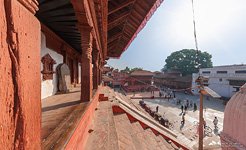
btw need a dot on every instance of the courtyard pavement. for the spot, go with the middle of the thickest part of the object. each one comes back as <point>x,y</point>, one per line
<point>188,132</point>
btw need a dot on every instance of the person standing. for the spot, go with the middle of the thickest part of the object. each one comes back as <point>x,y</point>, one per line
<point>204,123</point>
<point>157,108</point>
<point>183,119</point>
<point>195,107</point>
<point>185,108</point>
<point>191,103</point>
<point>182,108</point>
<point>215,122</point>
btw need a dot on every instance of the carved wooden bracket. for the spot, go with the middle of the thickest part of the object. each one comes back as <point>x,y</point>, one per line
<point>48,63</point>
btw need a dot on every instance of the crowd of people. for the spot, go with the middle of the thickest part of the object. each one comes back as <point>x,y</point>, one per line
<point>156,115</point>
<point>184,105</point>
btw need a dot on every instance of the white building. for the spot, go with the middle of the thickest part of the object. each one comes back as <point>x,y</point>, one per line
<point>225,80</point>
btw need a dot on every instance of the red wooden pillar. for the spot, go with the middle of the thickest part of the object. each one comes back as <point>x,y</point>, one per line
<point>20,86</point>
<point>95,68</point>
<point>99,75</point>
<point>86,62</point>
<point>95,76</point>
<point>76,71</point>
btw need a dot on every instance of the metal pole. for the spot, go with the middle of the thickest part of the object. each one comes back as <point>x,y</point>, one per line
<point>201,122</point>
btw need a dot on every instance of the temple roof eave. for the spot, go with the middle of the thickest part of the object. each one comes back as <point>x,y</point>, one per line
<point>122,35</point>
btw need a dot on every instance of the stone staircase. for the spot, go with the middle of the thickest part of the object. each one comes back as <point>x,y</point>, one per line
<point>117,131</point>
<point>133,136</point>
<point>180,136</point>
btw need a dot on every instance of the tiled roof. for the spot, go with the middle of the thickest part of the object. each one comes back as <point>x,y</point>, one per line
<point>142,73</point>
<point>107,69</point>
<point>107,79</point>
<point>184,79</point>
<point>166,76</point>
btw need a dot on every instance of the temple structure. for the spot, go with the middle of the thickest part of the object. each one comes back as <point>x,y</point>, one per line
<point>233,135</point>
<point>173,80</point>
<point>138,80</point>
<point>119,78</point>
<point>54,46</point>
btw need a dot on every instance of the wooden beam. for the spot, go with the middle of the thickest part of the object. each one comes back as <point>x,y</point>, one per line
<point>111,45</point>
<point>62,18</point>
<point>58,12</point>
<point>125,4</point>
<point>118,18</point>
<point>50,5</point>
<point>114,37</point>
<point>103,53</point>
<point>115,24</point>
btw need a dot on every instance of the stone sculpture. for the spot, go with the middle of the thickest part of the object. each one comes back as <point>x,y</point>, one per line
<point>64,79</point>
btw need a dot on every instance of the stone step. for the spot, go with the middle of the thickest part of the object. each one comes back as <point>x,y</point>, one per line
<point>124,133</point>
<point>167,143</point>
<point>104,132</point>
<point>153,138</point>
<point>147,137</point>
<point>161,142</point>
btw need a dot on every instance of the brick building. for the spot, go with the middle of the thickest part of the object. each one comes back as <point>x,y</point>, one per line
<point>139,80</point>
<point>119,78</point>
<point>173,80</point>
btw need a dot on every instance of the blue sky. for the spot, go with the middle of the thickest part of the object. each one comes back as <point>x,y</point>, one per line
<point>221,29</point>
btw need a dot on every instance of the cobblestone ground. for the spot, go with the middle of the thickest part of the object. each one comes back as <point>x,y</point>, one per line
<point>188,133</point>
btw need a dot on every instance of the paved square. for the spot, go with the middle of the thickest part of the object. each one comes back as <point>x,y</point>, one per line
<point>188,133</point>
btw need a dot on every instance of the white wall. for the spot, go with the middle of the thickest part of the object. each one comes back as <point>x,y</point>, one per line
<point>223,88</point>
<point>49,87</point>
<point>79,75</point>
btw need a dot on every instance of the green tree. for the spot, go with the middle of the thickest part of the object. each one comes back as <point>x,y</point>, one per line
<point>129,70</point>
<point>185,61</point>
<point>126,70</point>
<point>136,68</point>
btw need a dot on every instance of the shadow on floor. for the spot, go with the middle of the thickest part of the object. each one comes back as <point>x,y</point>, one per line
<point>49,108</point>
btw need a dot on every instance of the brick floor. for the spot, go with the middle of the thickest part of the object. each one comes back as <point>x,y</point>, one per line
<point>56,108</point>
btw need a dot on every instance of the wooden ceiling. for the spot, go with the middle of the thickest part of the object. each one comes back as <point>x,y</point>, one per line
<point>59,16</point>
<point>124,20</point>
<point>125,17</point>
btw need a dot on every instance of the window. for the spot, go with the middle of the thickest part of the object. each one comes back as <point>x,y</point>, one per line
<point>240,71</point>
<point>206,72</point>
<point>48,63</point>
<point>222,72</point>
<point>236,89</point>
